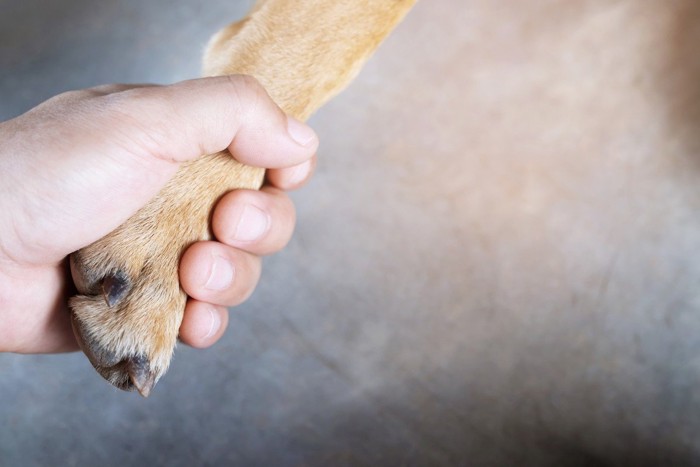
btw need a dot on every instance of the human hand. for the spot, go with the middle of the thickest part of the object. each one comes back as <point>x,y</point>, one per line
<point>77,166</point>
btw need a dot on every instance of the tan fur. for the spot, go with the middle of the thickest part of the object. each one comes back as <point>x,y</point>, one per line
<point>303,53</point>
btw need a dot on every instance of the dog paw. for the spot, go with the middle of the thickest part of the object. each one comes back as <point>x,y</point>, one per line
<point>127,315</point>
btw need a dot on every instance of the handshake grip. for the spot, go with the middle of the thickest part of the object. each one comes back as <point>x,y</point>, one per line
<point>129,306</point>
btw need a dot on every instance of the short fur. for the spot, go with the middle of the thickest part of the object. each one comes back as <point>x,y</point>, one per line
<point>303,53</point>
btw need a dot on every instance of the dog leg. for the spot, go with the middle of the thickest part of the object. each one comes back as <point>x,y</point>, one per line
<point>130,305</point>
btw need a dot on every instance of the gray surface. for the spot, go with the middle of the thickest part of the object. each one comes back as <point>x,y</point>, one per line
<point>476,279</point>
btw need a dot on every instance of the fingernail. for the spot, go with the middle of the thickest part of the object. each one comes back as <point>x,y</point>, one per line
<point>221,274</point>
<point>300,132</point>
<point>300,173</point>
<point>214,324</point>
<point>252,225</point>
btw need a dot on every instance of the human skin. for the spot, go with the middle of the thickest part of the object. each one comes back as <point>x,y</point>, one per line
<point>77,166</point>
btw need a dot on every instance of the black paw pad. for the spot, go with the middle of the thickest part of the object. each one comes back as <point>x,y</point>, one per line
<point>115,287</point>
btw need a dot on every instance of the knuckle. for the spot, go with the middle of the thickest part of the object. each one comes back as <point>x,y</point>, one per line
<point>68,97</point>
<point>247,92</point>
<point>105,89</point>
<point>248,82</point>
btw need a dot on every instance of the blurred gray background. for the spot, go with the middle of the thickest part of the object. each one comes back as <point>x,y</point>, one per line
<point>476,278</point>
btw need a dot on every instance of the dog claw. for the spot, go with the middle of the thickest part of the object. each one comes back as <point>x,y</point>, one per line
<point>141,375</point>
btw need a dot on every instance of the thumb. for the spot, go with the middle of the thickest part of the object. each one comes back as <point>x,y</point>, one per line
<point>208,115</point>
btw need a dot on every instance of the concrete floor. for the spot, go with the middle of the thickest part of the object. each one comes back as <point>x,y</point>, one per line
<point>468,283</point>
